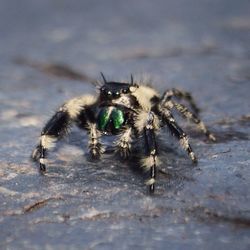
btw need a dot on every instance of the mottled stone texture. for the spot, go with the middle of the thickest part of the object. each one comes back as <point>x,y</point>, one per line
<point>201,46</point>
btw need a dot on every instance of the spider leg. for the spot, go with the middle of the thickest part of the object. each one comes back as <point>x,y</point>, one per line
<point>177,131</point>
<point>146,124</point>
<point>180,95</point>
<point>193,118</point>
<point>73,111</point>
<point>55,128</point>
<point>124,143</point>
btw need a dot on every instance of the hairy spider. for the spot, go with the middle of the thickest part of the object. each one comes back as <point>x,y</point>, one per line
<point>128,110</point>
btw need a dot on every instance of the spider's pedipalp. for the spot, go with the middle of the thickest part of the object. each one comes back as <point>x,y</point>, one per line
<point>123,144</point>
<point>95,147</point>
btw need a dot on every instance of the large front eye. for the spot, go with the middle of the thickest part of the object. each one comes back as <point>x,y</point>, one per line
<point>117,118</point>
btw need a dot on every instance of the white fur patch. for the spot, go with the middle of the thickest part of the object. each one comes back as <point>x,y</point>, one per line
<point>43,161</point>
<point>75,105</point>
<point>212,137</point>
<point>192,156</point>
<point>202,126</point>
<point>169,105</point>
<point>47,141</point>
<point>149,161</point>
<point>149,182</point>
<point>35,153</point>
<point>143,95</point>
<point>141,120</point>
<point>184,142</point>
<point>123,100</point>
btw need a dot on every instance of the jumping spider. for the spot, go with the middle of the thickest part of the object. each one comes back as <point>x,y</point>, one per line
<point>128,110</point>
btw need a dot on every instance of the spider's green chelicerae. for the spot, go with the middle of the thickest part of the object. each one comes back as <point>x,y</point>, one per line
<point>128,110</point>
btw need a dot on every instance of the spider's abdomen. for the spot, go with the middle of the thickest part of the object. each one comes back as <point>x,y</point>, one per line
<point>110,120</point>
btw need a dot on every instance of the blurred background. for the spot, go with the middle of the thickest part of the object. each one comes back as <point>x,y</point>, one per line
<point>51,50</point>
<point>117,36</point>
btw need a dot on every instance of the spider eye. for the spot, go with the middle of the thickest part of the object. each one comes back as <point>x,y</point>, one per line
<point>125,91</point>
<point>109,93</point>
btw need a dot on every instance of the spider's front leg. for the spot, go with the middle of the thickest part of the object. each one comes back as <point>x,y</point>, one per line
<point>148,123</point>
<point>55,128</point>
<point>77,110</point>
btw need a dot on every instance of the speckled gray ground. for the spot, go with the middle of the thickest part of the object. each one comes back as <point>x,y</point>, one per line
<point>201,46</point>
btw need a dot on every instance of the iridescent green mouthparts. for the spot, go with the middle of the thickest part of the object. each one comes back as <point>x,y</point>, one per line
<point>117,118</point>
<point>110,115</point>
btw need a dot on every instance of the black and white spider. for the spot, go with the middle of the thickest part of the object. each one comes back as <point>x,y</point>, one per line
<point>128,110</point>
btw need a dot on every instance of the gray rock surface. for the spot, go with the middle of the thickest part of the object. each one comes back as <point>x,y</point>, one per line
<point>200,46</point>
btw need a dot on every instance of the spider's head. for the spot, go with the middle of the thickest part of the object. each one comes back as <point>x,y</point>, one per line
<point>114,90</point>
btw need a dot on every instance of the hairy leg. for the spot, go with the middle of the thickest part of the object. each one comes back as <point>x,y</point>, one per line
<point>147,123</point>
<point>193,118</point>
<point>179,94</point>
<point>177,131</point>
<point>59,124</point>
<point>55,128</point>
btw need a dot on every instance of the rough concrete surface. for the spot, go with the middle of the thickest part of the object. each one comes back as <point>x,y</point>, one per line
<point>200,46</point>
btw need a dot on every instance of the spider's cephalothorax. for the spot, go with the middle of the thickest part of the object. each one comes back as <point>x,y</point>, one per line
<point>128,110</point>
